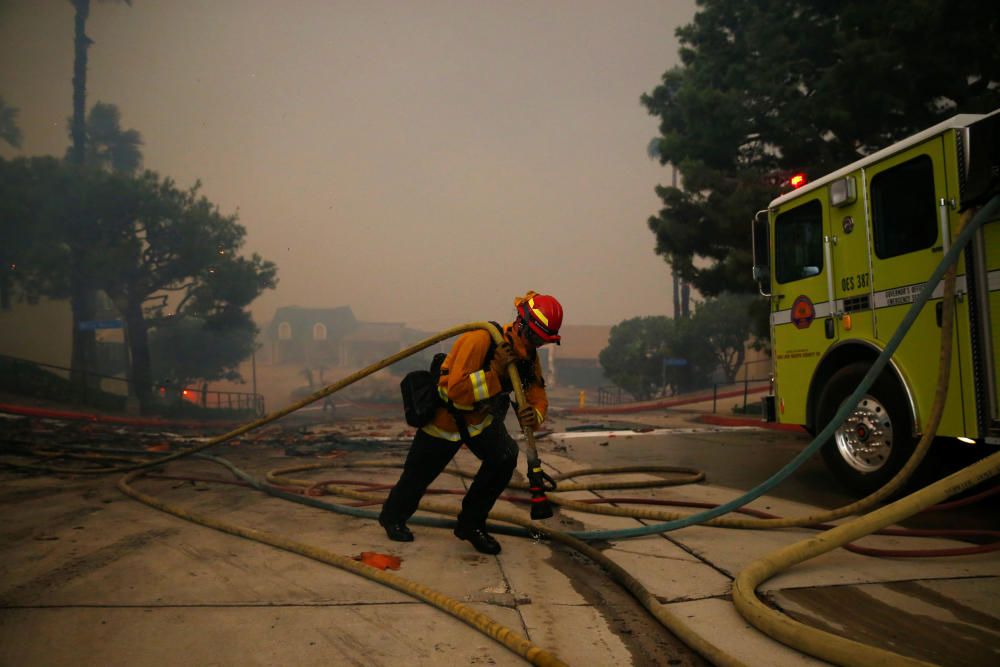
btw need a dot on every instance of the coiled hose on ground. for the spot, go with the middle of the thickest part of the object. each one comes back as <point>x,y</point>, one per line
<point>825,645</point>
<point>502,634</point>
<point>782,628</point>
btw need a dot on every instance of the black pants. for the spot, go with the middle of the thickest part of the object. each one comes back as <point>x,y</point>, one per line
<point>429,456</point>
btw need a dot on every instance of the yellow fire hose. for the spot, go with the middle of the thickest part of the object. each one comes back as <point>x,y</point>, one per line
<point>692,639</point>
<point>534,654</point>
<point>825,645</point>
<point>891,487</point>
<point>807,639</point>
<point>773,623</point>
<point>830,647</point>
<point>479,621</point>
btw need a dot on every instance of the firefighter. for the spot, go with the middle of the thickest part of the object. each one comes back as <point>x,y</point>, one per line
<point>474,387</point>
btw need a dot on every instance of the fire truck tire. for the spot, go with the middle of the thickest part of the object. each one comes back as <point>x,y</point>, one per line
<point>876,440</point>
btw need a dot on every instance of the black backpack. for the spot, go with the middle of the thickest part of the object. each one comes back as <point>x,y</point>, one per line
<point>420,393</point>
<point>420,390</point>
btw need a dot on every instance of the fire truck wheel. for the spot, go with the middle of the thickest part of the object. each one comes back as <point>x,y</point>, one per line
<point>876,439</point>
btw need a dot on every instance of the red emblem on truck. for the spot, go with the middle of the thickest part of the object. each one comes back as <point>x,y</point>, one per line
<point>803,312</point>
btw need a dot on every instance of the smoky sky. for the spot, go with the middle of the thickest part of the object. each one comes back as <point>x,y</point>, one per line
<point>421,162</point>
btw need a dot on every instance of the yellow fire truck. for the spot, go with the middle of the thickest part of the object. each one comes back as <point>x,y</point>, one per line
<point>841,259</point>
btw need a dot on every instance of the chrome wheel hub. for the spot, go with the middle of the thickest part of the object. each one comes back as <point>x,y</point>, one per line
<point>864,440</point>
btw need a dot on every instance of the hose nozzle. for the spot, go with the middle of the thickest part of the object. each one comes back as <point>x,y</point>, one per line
<point>538,483</point>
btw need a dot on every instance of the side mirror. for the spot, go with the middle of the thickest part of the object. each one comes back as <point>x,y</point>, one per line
<point>760,234</point>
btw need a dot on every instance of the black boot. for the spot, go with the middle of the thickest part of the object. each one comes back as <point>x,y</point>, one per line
<point>397,531</point>
<point>480,539</point>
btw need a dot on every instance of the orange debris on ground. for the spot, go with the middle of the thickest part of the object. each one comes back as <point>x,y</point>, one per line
<point>380,561</point>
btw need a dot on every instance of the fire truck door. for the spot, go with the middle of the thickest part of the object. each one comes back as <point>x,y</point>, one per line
<point>800,300</point>
<point>904,195</point>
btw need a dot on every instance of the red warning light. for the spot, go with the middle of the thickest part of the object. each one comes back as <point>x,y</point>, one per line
<point>798,180</point>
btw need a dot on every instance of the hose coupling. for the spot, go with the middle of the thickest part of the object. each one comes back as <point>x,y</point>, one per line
<point>538,483</point>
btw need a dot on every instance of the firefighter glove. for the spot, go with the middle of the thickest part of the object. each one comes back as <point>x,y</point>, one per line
<point>527,417</point>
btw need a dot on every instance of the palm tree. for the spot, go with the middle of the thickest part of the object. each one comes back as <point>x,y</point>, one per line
<point>83,298</point>
<point>80,45</point>
<point>9,131</point>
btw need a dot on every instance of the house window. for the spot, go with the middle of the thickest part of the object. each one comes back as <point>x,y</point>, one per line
<point>284,331</point>
<point>319,331</point>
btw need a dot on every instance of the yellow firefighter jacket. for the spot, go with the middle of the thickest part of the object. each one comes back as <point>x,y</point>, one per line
<point>469,386</point>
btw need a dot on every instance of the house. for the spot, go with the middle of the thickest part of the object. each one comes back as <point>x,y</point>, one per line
<point>333,337</point>
<point>309,335</point>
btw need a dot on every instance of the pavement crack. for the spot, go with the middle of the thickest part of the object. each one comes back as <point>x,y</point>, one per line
<point>694,598</point>
<point>645,554</point>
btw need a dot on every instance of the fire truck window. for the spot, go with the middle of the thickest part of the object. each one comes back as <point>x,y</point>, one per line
<point>903,214</point>
<point>798,243</point>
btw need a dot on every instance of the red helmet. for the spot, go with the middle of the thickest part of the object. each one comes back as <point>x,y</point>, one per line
<point>543,315</point>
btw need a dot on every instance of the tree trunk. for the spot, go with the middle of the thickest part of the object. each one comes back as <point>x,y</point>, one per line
<point>83,362</point>
<point>5,283</point>
<point>732,368</point>
<point>138,341</point>
<point>676,280</point>
<point>685,300</point>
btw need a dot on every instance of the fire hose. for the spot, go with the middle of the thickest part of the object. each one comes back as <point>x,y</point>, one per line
<point>746,602</point>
